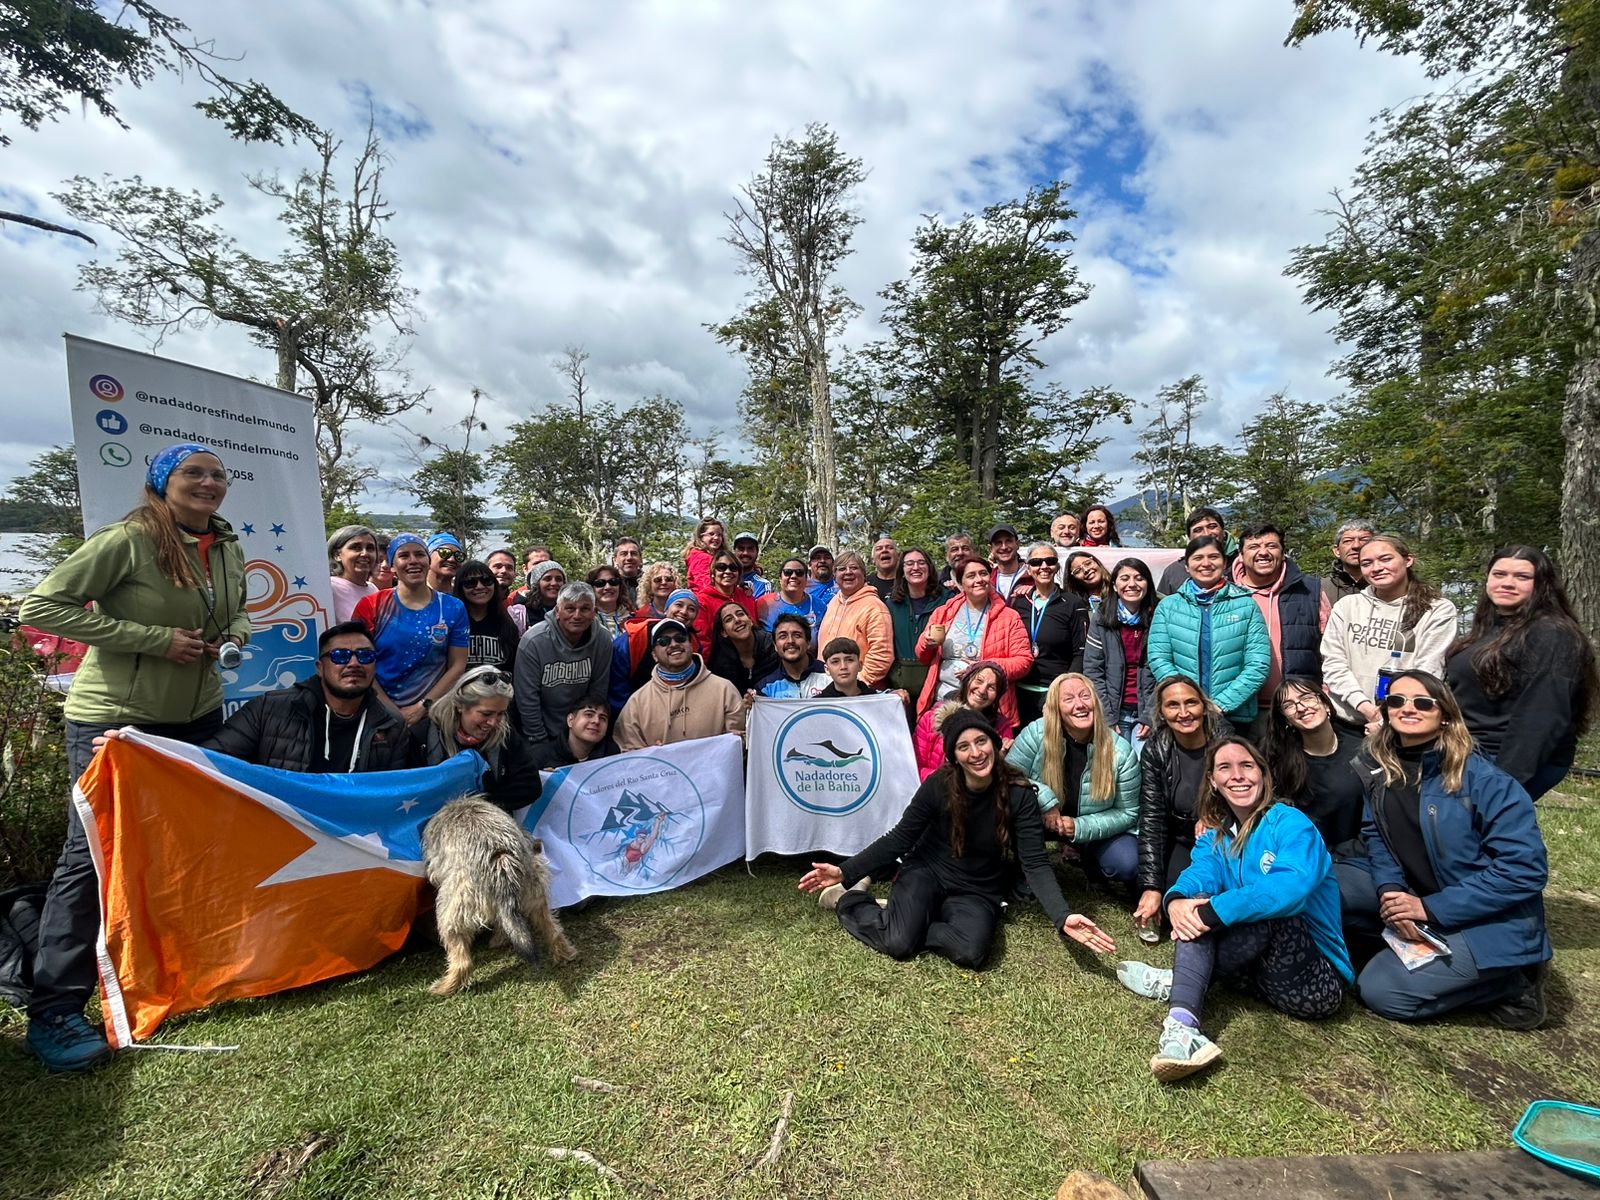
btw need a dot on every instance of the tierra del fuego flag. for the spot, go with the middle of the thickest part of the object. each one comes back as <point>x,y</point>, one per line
<point>220,879</point>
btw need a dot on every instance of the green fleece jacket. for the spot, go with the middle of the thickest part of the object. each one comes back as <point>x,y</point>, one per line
<point>126,676</point>
<point>1097,819</point>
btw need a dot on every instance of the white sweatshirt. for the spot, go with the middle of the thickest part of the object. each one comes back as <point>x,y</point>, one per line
<point>1361,634</point>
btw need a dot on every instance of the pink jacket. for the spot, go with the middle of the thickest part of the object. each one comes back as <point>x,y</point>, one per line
<point>1005,640</point>
<point>928,742</point>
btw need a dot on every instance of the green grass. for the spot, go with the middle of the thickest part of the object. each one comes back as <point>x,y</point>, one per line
<point>706,1005</point>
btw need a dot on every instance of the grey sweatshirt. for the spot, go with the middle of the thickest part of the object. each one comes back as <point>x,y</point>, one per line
<point>552,676</point>
<point>1362,632</point>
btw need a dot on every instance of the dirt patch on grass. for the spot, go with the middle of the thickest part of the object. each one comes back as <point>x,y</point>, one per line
<point>274,1171</point>
<point>1503,1088</point>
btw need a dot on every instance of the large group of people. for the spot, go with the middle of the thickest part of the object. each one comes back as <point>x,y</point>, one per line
<point>1316,782</point>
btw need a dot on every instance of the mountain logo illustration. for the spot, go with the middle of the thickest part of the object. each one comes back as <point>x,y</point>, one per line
<point>833,756</point>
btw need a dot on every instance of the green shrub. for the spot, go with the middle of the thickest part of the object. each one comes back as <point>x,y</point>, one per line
<point>33,767</point>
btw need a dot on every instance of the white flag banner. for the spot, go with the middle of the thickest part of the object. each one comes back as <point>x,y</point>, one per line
<point>647,821</point>
<point>826,774</point>
<point>128,406</point>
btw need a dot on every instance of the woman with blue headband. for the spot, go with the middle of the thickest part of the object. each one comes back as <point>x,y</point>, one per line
<point>168,590</point>
<point>421,633</point>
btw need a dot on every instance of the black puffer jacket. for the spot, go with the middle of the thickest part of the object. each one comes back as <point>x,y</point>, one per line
<point>512,780</point>
<point>1160,821</point>
<point>281,730</point>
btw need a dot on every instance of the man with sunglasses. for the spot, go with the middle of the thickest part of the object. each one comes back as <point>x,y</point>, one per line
<point>681,700</point>
<point>332,722</point>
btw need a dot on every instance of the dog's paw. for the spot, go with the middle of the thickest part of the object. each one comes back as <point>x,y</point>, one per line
<point>563,952</point>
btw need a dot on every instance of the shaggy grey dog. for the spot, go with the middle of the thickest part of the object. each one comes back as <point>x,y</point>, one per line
<point>490,874</point>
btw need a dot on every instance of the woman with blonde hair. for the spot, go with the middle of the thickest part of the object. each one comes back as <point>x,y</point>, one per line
<point>1257,907</point>
<point>1088,779</point>
<point>1398,622</point>
<point>656,584</point>
<point>1458,868</point>
<point>709,537</point>
<point>475,715</point>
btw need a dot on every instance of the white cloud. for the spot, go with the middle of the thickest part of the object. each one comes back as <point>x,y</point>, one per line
<point>562,172</point>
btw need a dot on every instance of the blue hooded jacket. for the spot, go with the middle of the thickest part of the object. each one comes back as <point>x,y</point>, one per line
<point>1282,870</point>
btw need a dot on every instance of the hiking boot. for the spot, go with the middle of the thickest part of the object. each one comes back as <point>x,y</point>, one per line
<point>1182,1051</point>
<point>1144,980</point>
<point>65,1041</point>
<point>1526,1009</point>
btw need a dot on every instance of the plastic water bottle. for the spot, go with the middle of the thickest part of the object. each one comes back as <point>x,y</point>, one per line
<point>1386,676</point>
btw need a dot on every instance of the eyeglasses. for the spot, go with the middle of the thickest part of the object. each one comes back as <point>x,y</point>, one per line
<point>1394,702</point>
<point>468,584</point>
<point>1291,705</point>
<point>449,555</point>
<point>671,639</point>
<point>341,656</point>
<point>600,583</point>
<point>196,474</point>
<point>1043,562</point>
<point>794,572</point>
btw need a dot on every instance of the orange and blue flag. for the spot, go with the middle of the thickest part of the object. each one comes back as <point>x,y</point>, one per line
<point>220,879</point>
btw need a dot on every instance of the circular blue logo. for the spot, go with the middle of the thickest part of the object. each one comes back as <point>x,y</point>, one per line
<point>653,826</point>
<point>826,759</point>
<point>111,421</point>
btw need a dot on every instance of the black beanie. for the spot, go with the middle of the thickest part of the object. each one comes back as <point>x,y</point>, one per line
<point>959,722</point>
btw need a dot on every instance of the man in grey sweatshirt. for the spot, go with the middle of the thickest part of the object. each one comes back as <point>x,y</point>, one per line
<point>560,662</point>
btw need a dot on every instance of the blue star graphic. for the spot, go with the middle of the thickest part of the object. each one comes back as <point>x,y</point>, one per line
<point>278,549</point>
<point>277,531</point>
<point>299,581</point>
<point>247,528</point>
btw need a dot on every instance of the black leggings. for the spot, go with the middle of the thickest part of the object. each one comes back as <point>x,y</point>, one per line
<point>922,915</point>
<point>1276,960</point>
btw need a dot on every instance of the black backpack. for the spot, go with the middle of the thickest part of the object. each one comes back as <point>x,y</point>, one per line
<point>20,909</point>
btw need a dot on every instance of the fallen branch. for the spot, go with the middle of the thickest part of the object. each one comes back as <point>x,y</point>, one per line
<point>48,226</point>
<point>587,1159</point>
<point>592,1085</point>
<point>779,1134</point>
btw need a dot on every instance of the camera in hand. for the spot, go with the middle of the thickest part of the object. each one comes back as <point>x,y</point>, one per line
<point>229,656</point>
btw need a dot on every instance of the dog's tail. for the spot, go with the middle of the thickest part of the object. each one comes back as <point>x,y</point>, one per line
<point>505,884</point>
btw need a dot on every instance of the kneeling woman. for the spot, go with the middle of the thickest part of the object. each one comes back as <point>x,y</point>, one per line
<point>1257,907</point>
<point>472,716</point>
<point>1088,779</point>
<point>960,840</point>
<point>1455,851</point>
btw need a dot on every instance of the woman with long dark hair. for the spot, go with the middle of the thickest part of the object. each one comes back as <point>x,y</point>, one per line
<point>912,600</point>
<point>741,651</point>
<point>1086,577</point>
<point>726,587</point>
<point>1310,758</point>
<point>1114,656</point>
<point>1398,622</point>
<point>168,590</point>
<point>1458,868</point>
<point>980,689</point>
<point>969,831</point>
<point>1524,674</point>
<point>1099,527</point>
<point>1171,769</point>
<point>1257,907</point>
<point>1055,620</point>
<point>493,632</point>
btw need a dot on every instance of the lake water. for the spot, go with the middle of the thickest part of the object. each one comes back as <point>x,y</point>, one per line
<point>19,570</point>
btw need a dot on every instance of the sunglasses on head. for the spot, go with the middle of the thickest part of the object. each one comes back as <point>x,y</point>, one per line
<point>1394,702</point>
<point>1043,562</point>
<point>341,656</point>
<point>671,639</point>
<point>490,675</point>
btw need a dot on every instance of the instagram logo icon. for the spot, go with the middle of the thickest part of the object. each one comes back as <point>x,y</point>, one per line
<point>106,388</point>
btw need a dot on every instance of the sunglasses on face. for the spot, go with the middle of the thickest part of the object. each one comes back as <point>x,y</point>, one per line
<point>342,656</point>
<point>469,584</point>
<point>449,555</point>
<point>793,572</point>
<point>721,568</point>
<point>1043,562</point>
<point>672,639</point>
<point>600,583</point>
<point>1394,702</point>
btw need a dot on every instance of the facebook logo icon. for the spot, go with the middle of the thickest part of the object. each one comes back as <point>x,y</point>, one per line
<point>110,420</point>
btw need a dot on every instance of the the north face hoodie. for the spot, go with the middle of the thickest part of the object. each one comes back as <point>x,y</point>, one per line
<point>1361,634</point>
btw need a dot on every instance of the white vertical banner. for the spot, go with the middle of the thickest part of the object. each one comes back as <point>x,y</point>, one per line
<point>826,774</point>
<point>128,406</point>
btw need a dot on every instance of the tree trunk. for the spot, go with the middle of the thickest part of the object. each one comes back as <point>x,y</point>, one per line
<point>989,459</point>
<point>1580,483</point>
<point>824,496</point>
<point>288,348</point>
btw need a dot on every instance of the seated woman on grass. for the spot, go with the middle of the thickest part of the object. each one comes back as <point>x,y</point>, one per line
<point>1088,780</point>
<point>960,841</point>
<point>1257,908</point>
<point>1455,853</point>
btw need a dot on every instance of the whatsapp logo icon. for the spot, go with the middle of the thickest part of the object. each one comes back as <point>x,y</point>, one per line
<point>115,454</point>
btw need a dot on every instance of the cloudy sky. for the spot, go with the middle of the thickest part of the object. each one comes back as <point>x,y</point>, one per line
<point>559,175</point>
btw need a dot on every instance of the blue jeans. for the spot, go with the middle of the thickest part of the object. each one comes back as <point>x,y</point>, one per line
<point>1110,860</point>
<point>1437,987</point>
<point>1126,724</point>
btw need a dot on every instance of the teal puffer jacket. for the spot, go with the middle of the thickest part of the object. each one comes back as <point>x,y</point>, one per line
<point>1241,650</point>
<point>1097,819</point>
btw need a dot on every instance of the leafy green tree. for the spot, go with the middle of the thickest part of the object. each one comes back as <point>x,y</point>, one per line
<point>447,479</point>
<point>791,230</point>
<point>1530,82</point>
<point>330,305</point>
<point>1276,472</point>
<point>1177,471</point>
<point>49,488</point>
<point>965,327</point>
